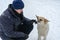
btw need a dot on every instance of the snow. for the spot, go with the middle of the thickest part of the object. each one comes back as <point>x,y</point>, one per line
<point>49,9</point>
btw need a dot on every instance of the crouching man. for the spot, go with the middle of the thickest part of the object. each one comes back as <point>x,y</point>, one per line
<point>13,24</point>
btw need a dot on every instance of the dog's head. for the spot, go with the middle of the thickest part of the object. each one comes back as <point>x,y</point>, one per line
<point>42,20</point>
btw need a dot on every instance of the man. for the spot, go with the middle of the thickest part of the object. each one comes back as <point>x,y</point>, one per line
<point>13,24</point>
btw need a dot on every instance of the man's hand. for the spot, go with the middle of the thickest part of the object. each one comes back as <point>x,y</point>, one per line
<point>26,36</point>
<point>34,21</point>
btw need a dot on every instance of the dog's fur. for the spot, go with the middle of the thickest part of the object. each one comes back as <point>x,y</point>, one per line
<point>42,27</point>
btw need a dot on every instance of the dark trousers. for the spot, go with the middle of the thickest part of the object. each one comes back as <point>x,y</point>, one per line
<point>18,39</point>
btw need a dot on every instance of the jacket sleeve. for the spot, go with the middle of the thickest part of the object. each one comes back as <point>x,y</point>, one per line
<point>29,25</point>
<point>7,28</point>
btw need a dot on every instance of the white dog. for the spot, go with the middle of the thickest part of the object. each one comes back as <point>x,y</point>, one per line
<point>42,27</point>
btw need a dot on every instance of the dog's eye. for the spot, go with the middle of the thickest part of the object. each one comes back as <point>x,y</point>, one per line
<point>40,19</point>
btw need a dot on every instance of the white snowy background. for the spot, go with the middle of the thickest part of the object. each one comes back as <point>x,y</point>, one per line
<point>49,9</point>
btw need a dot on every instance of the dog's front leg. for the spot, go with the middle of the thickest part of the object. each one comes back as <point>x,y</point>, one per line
<point>44,38</point>
<point>39,37</point>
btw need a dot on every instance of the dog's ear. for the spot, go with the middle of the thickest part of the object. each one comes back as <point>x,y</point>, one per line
<point>36,16</point>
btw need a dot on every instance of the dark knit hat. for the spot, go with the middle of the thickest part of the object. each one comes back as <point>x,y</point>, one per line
<point>18,4</point>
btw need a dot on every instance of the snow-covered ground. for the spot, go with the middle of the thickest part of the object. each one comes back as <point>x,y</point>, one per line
<point>46,8</point>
